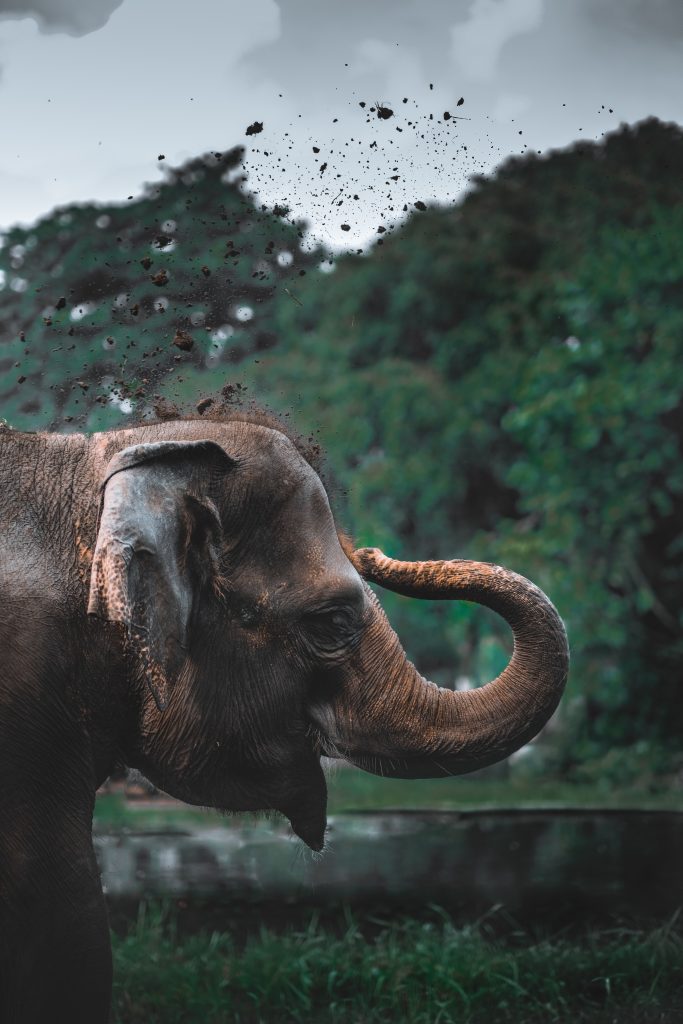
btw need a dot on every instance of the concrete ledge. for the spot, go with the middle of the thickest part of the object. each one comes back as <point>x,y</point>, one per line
<point>527,861</point>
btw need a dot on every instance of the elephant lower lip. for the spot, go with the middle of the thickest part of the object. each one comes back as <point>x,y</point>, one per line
<point>312,833</point>
<point>305,804</point>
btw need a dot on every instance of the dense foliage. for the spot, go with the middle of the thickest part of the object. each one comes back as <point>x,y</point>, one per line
<point>498,379</point>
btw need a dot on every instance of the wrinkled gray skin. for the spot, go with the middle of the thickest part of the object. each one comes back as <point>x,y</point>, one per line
<point>176,596</point>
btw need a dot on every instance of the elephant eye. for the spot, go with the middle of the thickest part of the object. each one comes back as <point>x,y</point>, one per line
<point>336,619</point>
<point>328,618</point>
<point>330,627</point>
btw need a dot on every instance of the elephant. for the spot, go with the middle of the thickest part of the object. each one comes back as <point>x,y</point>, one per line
<point>175,596</point>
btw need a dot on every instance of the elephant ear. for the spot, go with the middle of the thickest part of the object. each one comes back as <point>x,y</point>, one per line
<point>157,542</point>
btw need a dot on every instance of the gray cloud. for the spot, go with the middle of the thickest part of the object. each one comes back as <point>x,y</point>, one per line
<point>477,44</point>
<point>661,20</point>
<point>319,39</point>
<point>75,17</point>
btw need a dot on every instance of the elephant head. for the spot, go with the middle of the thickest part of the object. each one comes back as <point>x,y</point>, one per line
<point>255,643</point>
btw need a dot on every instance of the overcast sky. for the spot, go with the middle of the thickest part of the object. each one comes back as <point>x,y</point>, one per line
<point>92,92</point>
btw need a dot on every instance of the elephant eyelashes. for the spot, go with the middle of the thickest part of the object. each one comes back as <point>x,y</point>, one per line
<point>333,620</point>
<point>331,631</point>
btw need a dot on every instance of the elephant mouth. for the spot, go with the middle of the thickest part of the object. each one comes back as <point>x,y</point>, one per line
<point>293,785</point>
<point>299,792</point>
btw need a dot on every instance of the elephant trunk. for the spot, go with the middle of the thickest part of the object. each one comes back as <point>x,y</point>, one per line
<point>391,721</point>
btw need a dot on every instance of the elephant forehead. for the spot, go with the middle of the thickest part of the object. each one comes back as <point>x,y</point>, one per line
<point>301,529</point>
<point>297,556</point>
<point>286,585</point>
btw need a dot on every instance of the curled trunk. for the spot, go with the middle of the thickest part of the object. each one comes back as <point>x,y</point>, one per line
<point>388,719</point>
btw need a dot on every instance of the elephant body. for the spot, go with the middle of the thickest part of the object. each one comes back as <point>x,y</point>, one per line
<point>176,597</point>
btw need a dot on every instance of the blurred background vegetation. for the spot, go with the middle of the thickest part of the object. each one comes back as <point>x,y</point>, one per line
<point>499,379</point>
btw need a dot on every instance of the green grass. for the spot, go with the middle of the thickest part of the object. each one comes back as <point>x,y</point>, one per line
<point>353,790</point>
<point>405,970</point>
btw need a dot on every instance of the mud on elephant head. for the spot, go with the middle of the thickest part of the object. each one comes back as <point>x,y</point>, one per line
<point>255,644</point>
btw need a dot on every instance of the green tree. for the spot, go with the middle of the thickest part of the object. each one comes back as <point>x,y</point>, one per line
<point>92,297</point>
